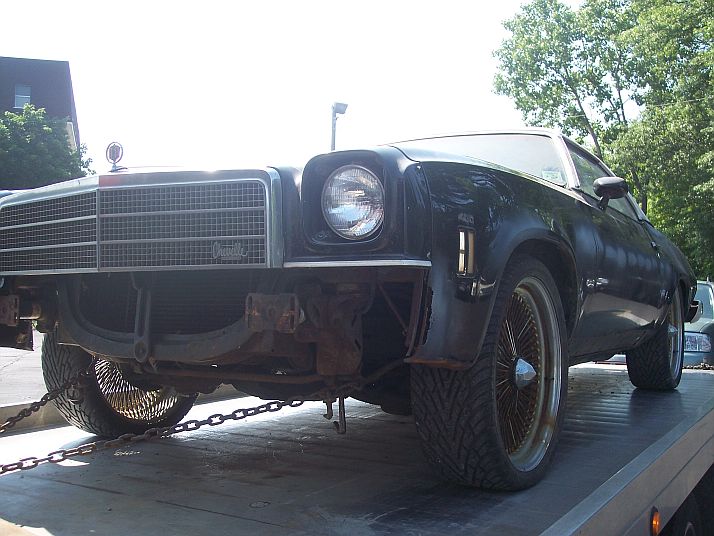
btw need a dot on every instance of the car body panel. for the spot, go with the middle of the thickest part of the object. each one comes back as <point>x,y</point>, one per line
<point>623,283</point>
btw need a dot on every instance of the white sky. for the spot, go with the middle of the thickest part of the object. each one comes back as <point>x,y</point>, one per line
<point>217,84</point>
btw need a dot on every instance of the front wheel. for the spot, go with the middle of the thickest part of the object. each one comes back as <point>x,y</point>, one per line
<point>106,404</point>
<point>495,425</point>
<point>657,363</point>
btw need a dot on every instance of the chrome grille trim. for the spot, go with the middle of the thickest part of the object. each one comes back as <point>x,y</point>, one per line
<point>50,246</point>
<point>192,239</point>
<point>39,223</point>
<point>167,225</point>
<point>174,212</point>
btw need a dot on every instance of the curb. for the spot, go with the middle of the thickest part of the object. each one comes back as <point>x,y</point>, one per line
<point>49,416</point>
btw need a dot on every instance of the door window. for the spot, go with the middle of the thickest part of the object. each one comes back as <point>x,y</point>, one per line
<point>588,171</point>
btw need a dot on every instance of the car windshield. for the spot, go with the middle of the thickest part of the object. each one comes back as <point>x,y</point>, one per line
<point>704,296</point>
<point>534,154</point>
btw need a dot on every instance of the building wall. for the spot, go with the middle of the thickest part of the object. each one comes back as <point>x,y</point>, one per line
<point>50,83</point>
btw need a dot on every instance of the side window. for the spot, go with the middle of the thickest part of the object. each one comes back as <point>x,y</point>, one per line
<point>588,171</point>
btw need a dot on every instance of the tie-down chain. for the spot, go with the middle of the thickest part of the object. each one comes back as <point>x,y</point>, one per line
<point>329,396</point>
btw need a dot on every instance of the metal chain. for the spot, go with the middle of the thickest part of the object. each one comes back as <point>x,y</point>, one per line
<point>73,383</point>
<point>166,431</point>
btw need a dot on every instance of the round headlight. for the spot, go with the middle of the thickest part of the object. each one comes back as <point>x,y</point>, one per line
<point>353,202</point>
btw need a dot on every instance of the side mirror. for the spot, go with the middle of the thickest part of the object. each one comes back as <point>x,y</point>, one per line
<point>695,311</point>
<point>607,188</point>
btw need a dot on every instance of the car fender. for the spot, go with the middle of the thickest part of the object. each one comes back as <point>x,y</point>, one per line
<point>507,213</point>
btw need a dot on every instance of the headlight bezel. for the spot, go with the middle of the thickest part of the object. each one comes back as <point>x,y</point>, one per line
<point>380,220</point>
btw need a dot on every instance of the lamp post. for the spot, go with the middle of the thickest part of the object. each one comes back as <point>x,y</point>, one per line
<point>338,108</point>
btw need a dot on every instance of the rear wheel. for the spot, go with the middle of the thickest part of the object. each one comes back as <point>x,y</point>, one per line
<point>687,520</point>
<point>657,363</point>
<point>495,425</point>
<point>106,404</point>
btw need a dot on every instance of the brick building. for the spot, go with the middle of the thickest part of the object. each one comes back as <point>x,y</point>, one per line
<point>45,84</point>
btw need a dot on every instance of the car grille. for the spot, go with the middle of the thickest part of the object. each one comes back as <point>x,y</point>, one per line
<point>147,227</point>
<point>49,234</point>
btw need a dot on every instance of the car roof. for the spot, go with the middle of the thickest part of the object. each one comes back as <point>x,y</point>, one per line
<point>524,130</point>
<point>540,131</point>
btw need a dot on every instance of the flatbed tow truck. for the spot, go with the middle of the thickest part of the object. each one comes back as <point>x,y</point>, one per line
<point>624,454</point>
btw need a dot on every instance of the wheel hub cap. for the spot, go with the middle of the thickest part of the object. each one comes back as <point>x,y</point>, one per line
<point>673,331</point>
<point>133,403</point>
<point>523,373</point>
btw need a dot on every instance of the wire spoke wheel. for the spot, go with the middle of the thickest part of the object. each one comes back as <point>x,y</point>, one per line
<point>133,403</point>
<point>495,424</point>
<point>106,404</point>
<point>675,331</point>
<point>527,402</point>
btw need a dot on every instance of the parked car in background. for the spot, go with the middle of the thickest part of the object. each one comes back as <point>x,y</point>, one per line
<point>456,277</point>
<point>698,335</point>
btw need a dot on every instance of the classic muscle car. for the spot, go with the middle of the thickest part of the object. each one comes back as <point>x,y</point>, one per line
<point>454,277</point>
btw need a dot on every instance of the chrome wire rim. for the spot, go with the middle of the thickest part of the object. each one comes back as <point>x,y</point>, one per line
<point>130,402</point>
<point>675,330</point>
<point>527,416</point>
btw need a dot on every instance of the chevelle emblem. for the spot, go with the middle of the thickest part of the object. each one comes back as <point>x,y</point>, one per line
<point>229,252</point>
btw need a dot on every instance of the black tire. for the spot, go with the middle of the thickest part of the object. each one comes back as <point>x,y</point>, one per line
<point>107,405</point>
<point>462,416</point>
<point>657,363</point>
<point>687,520</point>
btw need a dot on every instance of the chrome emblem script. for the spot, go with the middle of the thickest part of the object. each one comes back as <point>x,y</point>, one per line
<point>229,252</point>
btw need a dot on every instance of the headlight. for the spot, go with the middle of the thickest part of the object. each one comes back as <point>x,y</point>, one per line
<point>353,202</point>
<point>697,342</point>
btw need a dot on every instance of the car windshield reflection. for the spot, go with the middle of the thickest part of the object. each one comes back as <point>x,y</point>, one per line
<point>528,153</point>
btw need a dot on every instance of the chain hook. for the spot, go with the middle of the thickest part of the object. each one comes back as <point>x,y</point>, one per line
<point>341,423</point>
<point>328,397</point>
<point>328,408</point>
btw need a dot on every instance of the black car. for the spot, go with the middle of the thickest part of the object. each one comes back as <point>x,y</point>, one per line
<point>698,334</point>
<point>455,277</point>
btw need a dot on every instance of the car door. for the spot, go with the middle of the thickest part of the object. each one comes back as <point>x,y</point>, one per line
<point>622,301</point>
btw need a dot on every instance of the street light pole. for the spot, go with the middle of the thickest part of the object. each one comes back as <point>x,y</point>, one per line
<point>338,108</point>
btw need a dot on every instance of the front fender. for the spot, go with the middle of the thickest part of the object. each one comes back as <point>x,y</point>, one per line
<point>506,213</point>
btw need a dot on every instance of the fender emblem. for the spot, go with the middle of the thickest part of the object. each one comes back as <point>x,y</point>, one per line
<point>229,252</point>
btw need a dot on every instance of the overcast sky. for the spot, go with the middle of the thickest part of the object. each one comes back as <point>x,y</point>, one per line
<point>223,84</point>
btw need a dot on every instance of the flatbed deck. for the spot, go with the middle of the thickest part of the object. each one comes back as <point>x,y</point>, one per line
<point>289,473</point>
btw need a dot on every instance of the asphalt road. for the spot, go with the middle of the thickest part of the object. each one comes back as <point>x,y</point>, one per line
<point>21,374</point>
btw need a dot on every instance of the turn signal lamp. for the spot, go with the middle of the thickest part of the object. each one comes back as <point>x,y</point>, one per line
<point>654,522</point>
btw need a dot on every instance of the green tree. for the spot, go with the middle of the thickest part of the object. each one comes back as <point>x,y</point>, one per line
<point>636,77</point>
<point>672,142</point>
<point>565,68</point>
<point>672,46</point>
<point>34,150</point>
<point>667,145</point>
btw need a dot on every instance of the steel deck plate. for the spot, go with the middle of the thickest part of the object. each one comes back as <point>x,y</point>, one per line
<point>289,473</point>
